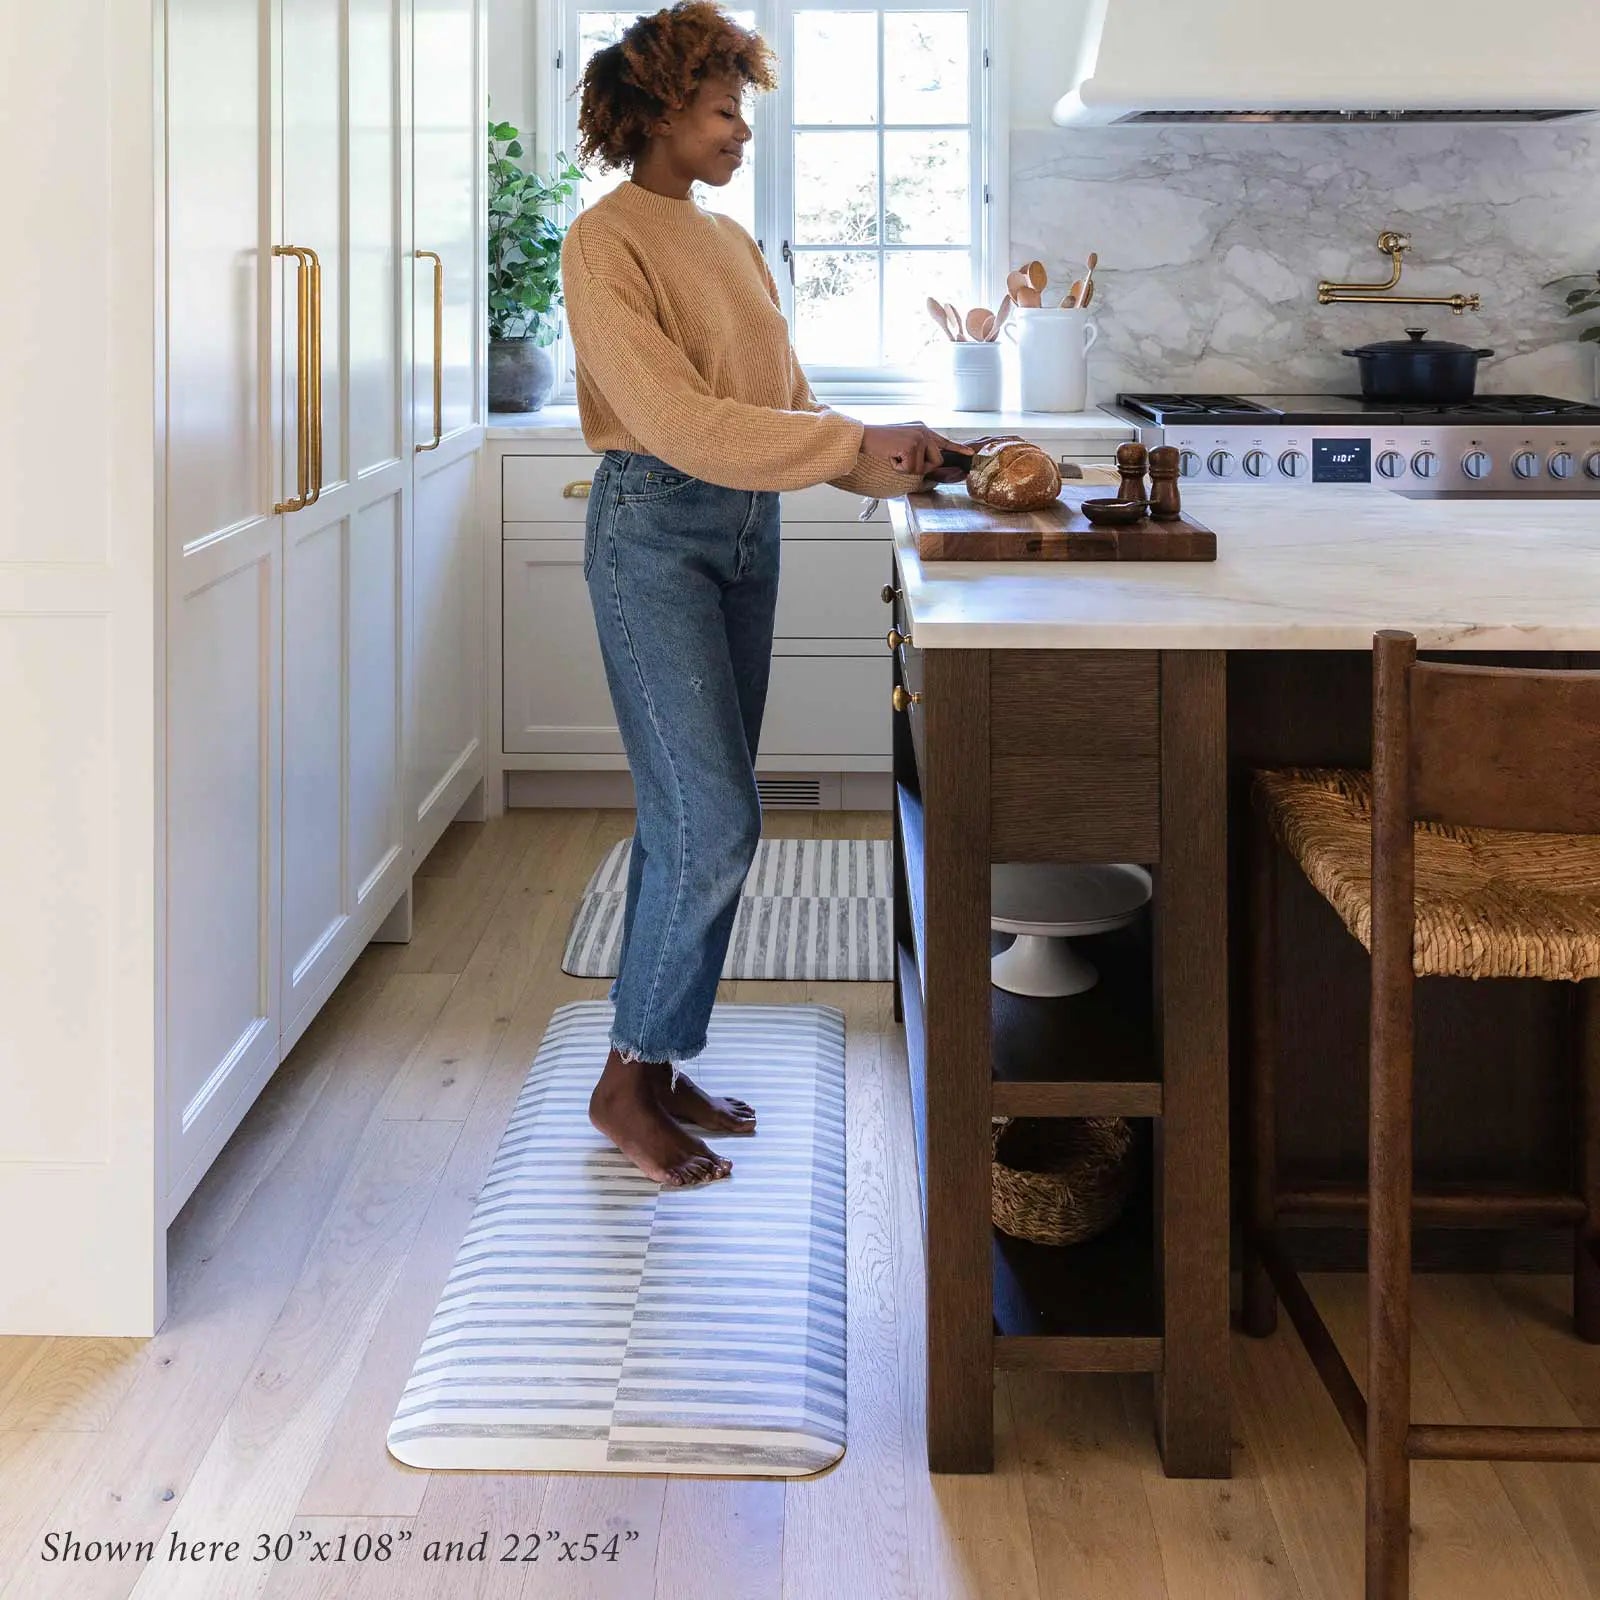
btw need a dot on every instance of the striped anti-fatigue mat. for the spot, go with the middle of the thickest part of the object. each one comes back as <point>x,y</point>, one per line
<point>810,908</point>
<point>594,1322</point>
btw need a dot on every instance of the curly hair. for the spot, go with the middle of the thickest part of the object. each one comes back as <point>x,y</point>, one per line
<point>656,68</point>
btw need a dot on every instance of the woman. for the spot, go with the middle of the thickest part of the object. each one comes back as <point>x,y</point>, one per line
<point>688,385</point>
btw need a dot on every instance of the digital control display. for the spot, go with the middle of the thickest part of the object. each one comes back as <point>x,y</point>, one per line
<point>1341,461</point>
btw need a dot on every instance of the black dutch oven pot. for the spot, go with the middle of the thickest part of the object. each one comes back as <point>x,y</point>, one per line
<point>1415,368</point>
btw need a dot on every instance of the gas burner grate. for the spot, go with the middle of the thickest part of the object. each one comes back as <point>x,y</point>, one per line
<point>1177,406</point>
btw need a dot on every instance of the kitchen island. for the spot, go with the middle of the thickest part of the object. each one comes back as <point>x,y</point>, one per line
<point>1088,711</point>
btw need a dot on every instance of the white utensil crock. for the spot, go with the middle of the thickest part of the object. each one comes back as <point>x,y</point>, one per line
<point>1052,348</point>
<point>975,376</point>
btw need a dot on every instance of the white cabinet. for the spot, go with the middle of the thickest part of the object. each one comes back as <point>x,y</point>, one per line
<point>825,704</point>
<point>223,467</point>
<point>247,612</point>
<point>344,845</point>
<point>448,337</point>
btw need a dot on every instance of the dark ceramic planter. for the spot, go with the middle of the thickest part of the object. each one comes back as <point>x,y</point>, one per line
<point>522,375</point>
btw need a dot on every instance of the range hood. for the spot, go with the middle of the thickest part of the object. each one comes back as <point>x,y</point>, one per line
<point>1350,61</point>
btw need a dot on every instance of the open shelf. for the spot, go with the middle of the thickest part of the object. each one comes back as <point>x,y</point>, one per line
<point>1087,1055</point>
<point>1090,1307</point>
<point>1083,1308</point>
<point>1084,1055</point>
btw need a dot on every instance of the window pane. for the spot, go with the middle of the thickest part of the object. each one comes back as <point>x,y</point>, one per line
<point>925,62</point>
<point>836,188</point>
<point>836,308</point>
<point>835,67</point>
<point>910,276</point>
<point>927,188</point>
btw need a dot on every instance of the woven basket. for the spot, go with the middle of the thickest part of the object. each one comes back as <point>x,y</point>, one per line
<point>1060,1180</point>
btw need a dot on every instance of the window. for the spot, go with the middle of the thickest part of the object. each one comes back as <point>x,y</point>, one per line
<point>869,182</point>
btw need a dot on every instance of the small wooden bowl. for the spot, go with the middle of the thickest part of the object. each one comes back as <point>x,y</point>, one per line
<point>1120,511</point>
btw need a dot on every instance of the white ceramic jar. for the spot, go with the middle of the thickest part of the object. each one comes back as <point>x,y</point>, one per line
<point>1053,344</point>
<point>975,375</point>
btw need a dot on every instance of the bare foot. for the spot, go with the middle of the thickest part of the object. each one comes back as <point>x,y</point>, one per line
<point>688,1102</point>
<point>625,1108</point>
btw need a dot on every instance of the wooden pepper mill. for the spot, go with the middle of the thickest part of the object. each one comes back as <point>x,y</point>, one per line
<point>1131,464</point>
<point>1165,502</point>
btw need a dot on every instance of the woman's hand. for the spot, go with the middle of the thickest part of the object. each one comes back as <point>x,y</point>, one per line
<point>911,448</point>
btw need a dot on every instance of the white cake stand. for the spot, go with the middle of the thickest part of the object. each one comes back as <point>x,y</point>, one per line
<point>1046,905</point>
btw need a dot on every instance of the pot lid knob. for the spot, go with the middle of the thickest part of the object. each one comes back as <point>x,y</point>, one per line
<point>1417,333</point>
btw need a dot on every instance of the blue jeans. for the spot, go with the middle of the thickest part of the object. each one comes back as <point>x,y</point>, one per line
<point>683,578</point>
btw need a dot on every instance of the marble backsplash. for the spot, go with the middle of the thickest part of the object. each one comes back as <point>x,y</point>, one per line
<point>1212,241</point>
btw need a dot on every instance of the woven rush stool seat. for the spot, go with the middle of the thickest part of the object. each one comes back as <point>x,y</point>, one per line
<point>1490,903</point>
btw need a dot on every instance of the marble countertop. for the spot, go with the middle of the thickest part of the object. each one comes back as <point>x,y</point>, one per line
<point>1296,569</point>
<point>1086,427</point>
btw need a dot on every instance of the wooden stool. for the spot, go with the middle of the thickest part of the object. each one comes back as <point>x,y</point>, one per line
<point>1472,849</point>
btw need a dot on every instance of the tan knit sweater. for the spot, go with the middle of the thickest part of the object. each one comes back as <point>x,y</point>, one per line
<point>683,352</point>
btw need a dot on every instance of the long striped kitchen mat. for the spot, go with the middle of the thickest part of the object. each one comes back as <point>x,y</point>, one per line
<point>810,908</point>
<point>594,1322</point>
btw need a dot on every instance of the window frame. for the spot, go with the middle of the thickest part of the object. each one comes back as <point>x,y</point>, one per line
<point>556,40</point>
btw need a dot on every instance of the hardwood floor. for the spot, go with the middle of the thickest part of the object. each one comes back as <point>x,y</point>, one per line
<point>306,1267</point>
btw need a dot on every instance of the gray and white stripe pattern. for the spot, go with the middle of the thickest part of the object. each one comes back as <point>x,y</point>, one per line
<point>593,1322</point>
<point>810,908</point>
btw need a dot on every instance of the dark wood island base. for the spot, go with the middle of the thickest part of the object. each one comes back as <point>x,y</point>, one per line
<point>1067,756</point>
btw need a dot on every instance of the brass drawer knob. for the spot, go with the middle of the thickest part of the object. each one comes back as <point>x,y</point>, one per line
<point>895,638</point>
<point>902,699</point>
<point>579,490</point>
<point>890,594</point>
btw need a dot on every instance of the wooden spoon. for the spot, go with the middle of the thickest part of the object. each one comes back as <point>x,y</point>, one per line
<point>1001,316</point>
<point>1088,295</point>
<point>1015,282</point>
<point>980,324</point>
<point>953,318</point>
<point>936,311</point>
<point>1028,297</point>
<point>1036,275</point>
<point>1088,279</point>
<point>1074,295</point>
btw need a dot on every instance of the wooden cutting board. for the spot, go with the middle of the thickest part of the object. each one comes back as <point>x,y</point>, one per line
<point>951,526</point>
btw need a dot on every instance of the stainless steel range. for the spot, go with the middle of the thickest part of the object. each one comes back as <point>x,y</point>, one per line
<point>1493,445</point>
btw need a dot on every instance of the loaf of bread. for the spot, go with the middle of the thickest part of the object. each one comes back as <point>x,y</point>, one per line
<point>1010,474</point>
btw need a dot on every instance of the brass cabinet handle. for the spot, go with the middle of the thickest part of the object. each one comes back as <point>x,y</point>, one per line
<point>314,321</point>
<point>889,594</point>
<point>578,490</point>
<point>902,699</point>
<point>438,349</point>
<point>895,638</point>
<point>302,421</point>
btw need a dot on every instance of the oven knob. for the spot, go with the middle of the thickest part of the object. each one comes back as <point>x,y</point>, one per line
<point>1257,463</point>
<point>1188,464</point>
<point>1424,463</point>
<point>1525,463</point>
<point>1591,463</point>
<point>1561,464</point>
<point>1391,464</point>
<point>1292,463</point>
<point>1476,463</point>
<point>1220,463</point>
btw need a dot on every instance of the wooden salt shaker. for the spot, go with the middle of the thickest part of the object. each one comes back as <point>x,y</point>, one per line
<point>1165,502</point>
<point>1131,464</point>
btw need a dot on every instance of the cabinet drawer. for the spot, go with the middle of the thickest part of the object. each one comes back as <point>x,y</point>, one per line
<point>827,706</point>
<point>830,589</point>
<point>531,487</point>
<point>823,503</point>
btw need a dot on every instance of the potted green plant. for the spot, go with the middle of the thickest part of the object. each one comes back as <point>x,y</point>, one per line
<point>1580,302</point>
<point>525,234</point>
